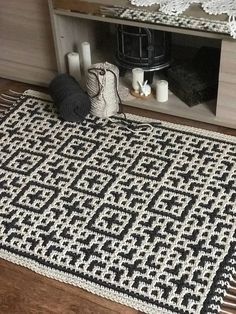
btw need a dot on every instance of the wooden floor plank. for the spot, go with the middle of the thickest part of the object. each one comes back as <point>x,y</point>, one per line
<point>25,292</point>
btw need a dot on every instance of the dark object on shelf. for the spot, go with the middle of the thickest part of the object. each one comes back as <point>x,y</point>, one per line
<point>142,48</point>
<point>72,102</point>
<point>197,81</point>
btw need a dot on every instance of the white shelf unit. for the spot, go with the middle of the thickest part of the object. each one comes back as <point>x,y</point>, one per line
<point>70,29</point>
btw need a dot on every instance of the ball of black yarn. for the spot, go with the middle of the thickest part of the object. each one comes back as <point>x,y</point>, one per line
<point>72,102</point>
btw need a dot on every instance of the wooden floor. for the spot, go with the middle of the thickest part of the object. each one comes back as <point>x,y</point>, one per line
<point>25,292</point>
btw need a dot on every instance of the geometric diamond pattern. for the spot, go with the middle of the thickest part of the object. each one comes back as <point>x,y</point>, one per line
<point>35,197</point>
<point>94,180</point>
<point>151,166</point>
<point>23,161</point>
<point>112,221</point>
<point>78,148</point>
<point>172,203</point>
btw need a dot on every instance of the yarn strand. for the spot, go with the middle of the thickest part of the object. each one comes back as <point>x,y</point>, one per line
<point>97,86</point>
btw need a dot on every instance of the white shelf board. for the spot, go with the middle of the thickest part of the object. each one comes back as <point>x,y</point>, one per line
<point>174,106</point>
<point>202,112</point>
<point>160,27</point>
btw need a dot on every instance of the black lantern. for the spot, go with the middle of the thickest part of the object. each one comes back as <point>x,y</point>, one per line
<point>143,48</point>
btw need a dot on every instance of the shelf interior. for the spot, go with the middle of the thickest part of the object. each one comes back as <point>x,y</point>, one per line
<point>72,31</point>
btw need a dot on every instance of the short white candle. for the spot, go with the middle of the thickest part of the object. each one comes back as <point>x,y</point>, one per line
<point>74,65</point>
<point>86,53</point>
<point>138,76</point>
<point>162,91</point>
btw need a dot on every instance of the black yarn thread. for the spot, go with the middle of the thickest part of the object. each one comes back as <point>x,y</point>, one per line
<point>71,100</point>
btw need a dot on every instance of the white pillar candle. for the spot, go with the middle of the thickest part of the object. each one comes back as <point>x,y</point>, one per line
<point>74,65</point>
<point>162,91</point>
<point>86,53</point>
<point>138,76</point>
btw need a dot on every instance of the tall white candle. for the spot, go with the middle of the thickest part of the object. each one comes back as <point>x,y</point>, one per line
<point>162,91</point>
<point>138,76</point>
<point>86,53</point>
<point>74,65</point>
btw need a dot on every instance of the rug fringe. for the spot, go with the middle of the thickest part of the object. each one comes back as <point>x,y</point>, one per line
<point>229,304</point>
<point>15,92</point>
<point>5,105</point>
<point>225,312</point>
<point>8,102</point>
<point>231,296</point>
<point>232,290</point>
<point>10,97</point>
<point>233,281</point>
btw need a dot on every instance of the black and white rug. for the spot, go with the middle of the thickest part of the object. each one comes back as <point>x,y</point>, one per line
<point>144,218</point>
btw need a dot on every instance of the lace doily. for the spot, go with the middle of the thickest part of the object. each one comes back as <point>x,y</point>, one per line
<point>174,7</point>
